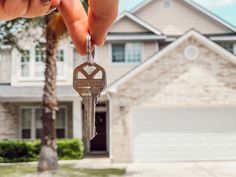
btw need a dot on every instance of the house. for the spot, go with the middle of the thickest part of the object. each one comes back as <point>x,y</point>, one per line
<point>171,70</point>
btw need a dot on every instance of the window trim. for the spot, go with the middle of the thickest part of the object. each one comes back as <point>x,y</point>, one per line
<point>32,64</point>
<point>234,48</point>
<point>125,63</point>
<point>33,120</point>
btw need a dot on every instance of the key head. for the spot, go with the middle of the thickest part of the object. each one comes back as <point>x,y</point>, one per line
<point>89,79</point>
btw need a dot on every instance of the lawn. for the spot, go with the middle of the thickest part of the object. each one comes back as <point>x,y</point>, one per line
<point>30,170</point>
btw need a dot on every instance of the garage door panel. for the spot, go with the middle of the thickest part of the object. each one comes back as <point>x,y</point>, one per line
<point>155,140</point>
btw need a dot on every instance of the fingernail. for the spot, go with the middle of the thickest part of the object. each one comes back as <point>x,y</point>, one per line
<point>46,1</point>
<point>50,10</point>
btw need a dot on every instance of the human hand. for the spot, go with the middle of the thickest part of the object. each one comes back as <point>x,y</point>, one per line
<point>10,9</point>
<point>101,15</point>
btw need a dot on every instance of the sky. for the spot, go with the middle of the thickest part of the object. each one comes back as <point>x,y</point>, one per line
<point>226,9</point>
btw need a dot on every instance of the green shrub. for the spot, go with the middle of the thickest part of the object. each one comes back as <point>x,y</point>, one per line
<point>27,151</point>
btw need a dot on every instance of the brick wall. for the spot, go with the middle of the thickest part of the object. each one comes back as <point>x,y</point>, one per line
<point>173,81</point>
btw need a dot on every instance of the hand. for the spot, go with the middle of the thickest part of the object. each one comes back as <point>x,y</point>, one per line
<point>101,15</point>
<point>10,9</point>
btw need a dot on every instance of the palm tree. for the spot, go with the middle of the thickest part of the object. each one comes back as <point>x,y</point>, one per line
<point>55,28</point>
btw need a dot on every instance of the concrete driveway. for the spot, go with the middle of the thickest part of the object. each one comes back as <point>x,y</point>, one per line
<point>179,169</point>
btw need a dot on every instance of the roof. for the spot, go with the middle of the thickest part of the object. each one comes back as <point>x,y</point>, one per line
<point>195,6</point>
<point>158,55</point>
<point>25,92</point>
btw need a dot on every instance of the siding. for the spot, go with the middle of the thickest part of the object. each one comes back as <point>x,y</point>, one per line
<point>5,66</point>
<point>127,25</point>
<point>179,18</point>
<point>114,71</point>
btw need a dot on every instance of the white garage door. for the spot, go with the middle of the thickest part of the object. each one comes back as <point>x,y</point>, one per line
<point>184,134</point>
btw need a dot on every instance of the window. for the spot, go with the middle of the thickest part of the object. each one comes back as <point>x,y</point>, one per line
<point>40,56</point>
<point>26,123</point>
<point>33,63</point>
<point>31,125</point>
<point>60,63</point>
<point>25,63</point>
<point>166,4</point>
<point>127,53</point>
<point>229,46</point>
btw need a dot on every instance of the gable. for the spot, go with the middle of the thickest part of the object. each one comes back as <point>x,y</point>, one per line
<point>179,18</point>
<point>192,37</point>
<point>127,25</point>
<point>174,80</point>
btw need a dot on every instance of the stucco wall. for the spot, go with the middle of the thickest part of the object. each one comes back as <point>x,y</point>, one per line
<point>127,25</point>
<point>179,18</point>
<point>172,81</point>
<point>114,71</point>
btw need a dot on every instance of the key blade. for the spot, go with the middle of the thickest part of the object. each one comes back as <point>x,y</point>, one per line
<point>89,117</point>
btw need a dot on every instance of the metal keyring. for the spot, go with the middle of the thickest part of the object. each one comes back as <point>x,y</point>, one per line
<point>50,10</point>
<point>89,51</point>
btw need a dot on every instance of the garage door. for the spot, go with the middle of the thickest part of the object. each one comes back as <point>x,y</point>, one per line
<point>184,134</point>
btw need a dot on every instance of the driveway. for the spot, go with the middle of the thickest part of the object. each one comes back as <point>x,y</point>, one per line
<point>179,169</point>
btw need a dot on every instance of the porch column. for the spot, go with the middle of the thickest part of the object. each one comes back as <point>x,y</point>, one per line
<point>77,119</point>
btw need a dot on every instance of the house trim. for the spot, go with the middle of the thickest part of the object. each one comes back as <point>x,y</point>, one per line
<point>235,48</point>
<point>138,21</point>
<point>197,7</point>
<point>212,37</point>
<point>134,37</point>
<point>158,55</point>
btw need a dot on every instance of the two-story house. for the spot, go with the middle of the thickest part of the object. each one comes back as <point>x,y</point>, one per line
<point>171,95</point>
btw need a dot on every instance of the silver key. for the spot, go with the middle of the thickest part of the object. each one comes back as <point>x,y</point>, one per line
<point>89,86</point>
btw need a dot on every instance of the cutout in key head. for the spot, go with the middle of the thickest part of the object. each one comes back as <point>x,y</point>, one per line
<point>92,83</point>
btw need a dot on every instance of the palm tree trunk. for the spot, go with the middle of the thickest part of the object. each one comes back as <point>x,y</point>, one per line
<point>48,153</point>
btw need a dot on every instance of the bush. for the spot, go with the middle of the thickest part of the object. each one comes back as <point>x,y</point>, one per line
<point>28,151</point>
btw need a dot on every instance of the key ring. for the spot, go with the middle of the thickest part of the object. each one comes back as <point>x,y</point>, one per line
<point>50,10</point>
<point>89,51</point>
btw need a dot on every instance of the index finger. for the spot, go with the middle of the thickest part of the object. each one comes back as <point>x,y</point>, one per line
<point>76,21</point>
<point>101,15</point>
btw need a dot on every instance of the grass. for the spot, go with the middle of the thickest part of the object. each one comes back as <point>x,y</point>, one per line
<point>30,170</point>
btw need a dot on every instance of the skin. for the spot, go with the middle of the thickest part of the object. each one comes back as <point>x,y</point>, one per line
<point>101,15</point>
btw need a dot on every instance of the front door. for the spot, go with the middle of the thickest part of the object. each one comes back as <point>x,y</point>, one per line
<point>99,143</point>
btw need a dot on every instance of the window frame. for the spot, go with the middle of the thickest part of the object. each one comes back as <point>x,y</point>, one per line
<point>32,64</point>
<point>33,120</point>
<point>125,63</point>
<point>234,48</point>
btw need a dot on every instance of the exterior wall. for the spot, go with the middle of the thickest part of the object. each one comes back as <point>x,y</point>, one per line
<point>10,116</point>
<point>9,121</point>
<point>5,66</point>
<point>179,18</point>
<point>172,81</point>
<point>127,25</point>
<point>114,71</point>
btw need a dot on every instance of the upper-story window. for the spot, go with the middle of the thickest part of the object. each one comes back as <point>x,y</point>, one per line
<point>127,52</point>
<point>25,64</point>
<point>33,63</point>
